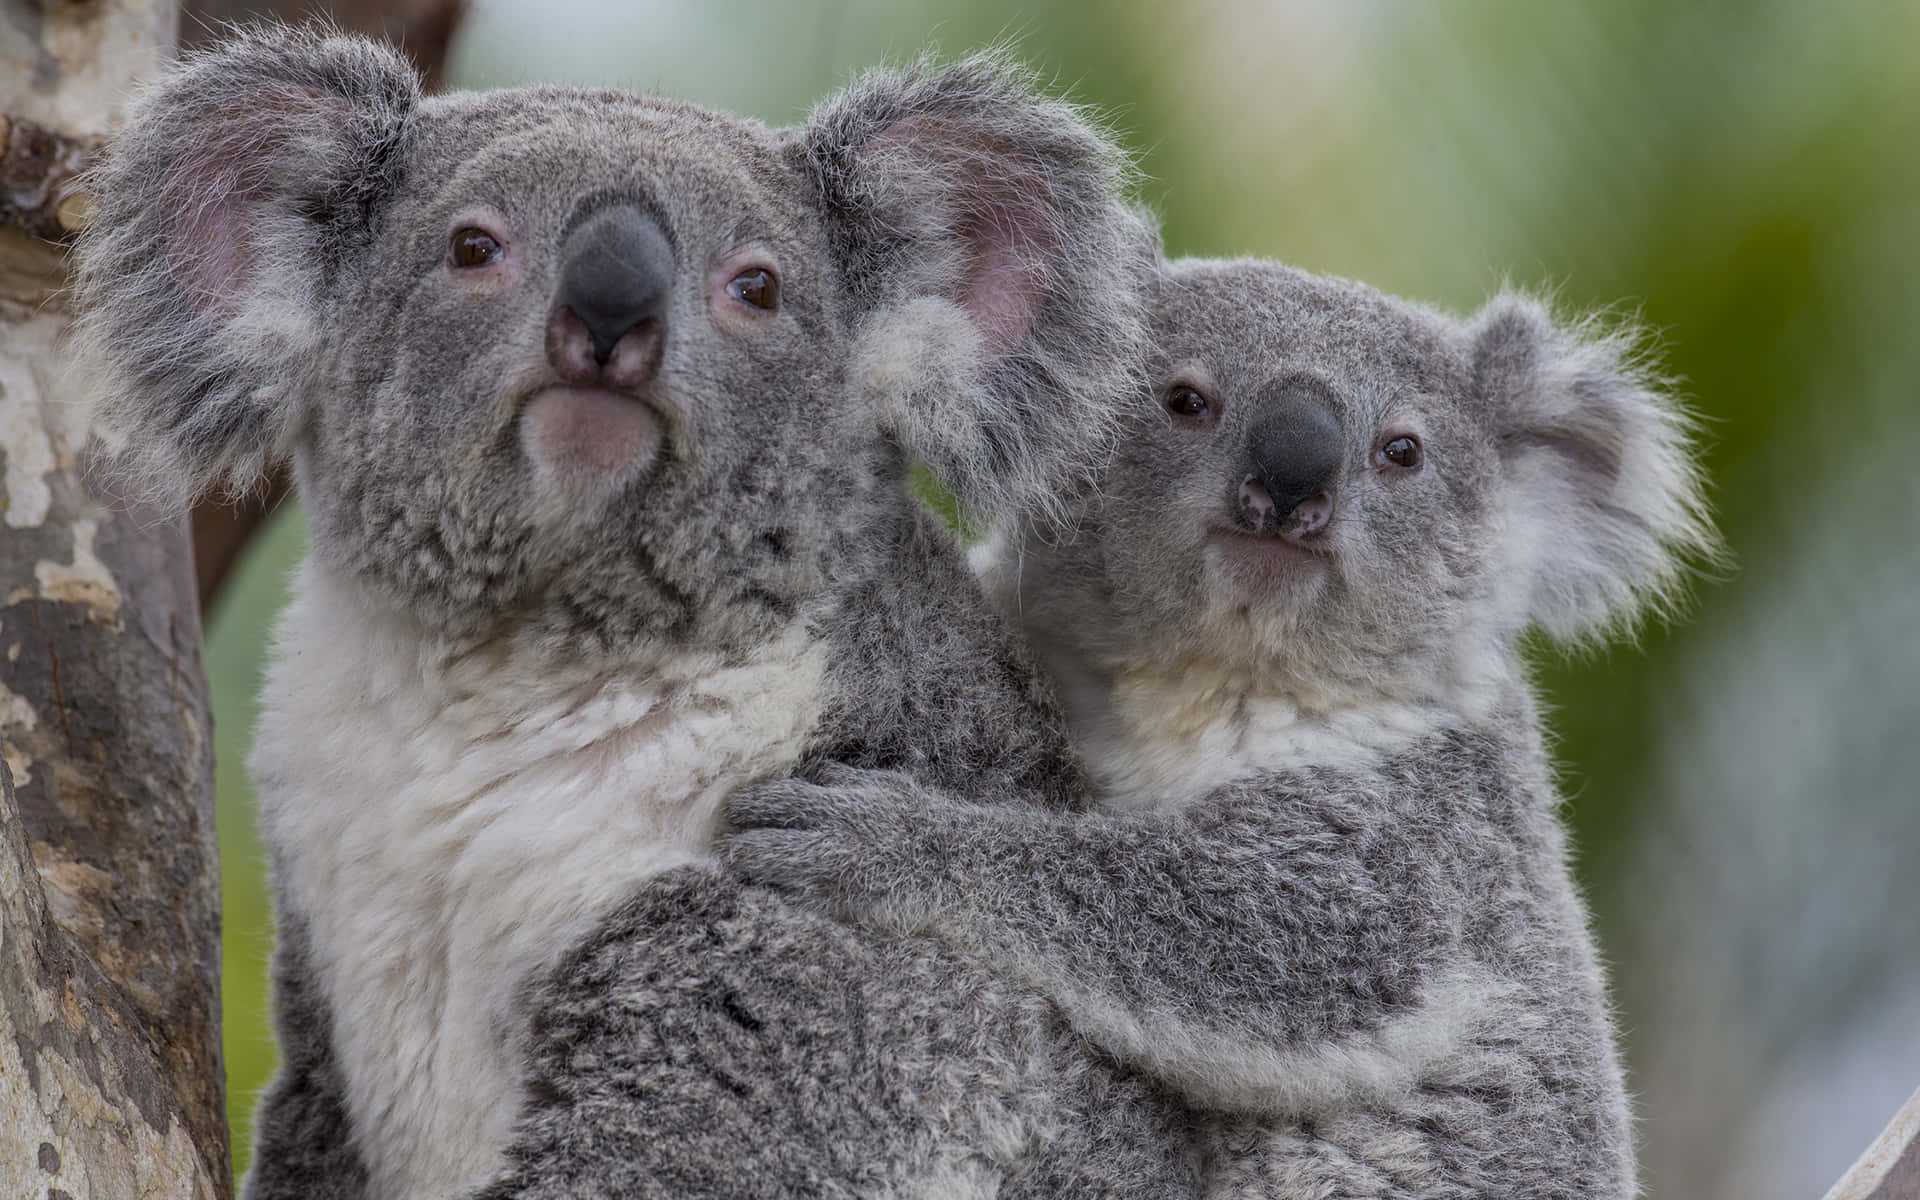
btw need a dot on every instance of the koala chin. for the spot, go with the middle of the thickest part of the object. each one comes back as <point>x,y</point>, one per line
<point>1322,895</point>
<point>607,499</point>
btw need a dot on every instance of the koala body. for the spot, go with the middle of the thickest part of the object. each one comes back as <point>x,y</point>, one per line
<point>1323,894</point>
<point>475,806</point>
<point>600,408</point>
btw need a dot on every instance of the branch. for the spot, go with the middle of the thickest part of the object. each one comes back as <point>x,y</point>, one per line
<point>1890,1169</point>
<point>38,167</point>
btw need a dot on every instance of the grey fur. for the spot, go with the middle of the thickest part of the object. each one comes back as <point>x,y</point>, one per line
<point>1301,912</point>
<point>804,1058</point>
<point>267,273</point>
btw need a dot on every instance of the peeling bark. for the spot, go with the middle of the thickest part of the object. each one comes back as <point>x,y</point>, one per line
<point>111,1082</point>
<point>84,1110</point>
<point>37,172</point>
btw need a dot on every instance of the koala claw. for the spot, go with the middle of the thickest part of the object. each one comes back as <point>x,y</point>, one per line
<point>780,804</point>
<point>846,841</point>
<point>792,860</point>
<point>866,803</point>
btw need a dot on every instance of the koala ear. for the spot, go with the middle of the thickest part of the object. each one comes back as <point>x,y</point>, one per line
<point>1603,503</point>
<point>240,178</point>
<point>996,268</point>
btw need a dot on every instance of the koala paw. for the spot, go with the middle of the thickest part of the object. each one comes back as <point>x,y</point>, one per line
<point>848,841</point>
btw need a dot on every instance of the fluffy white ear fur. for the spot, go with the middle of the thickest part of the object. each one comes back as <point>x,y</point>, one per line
<point>924,366</point>
<point>998,269</point>
<point>1604,506</point>
<point>237,175</point>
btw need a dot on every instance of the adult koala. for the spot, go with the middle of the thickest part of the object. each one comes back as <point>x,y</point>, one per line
<point>600,408</point>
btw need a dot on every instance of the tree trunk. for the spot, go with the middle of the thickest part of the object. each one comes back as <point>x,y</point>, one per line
<point>111,1082</point>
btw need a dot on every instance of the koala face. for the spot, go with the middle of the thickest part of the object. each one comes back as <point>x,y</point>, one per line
<point>1306,461</point>
<point>1351,495</point>
<point>617,370</point>
<point>606,366</point>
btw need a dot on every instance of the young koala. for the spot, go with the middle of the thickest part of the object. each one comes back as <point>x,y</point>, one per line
<point>600,407</point>
<point>1324,897</point>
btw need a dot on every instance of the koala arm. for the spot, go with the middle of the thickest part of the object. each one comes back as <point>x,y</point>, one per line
<point>302,1145</point>
<point>1278,945</point>
<point>928,680</point>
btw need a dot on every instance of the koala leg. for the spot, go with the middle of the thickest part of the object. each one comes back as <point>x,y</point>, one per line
<point>1517,1125</point>
<point>714,1041</point>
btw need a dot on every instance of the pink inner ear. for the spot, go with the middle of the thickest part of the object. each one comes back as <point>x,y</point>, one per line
<point>212,250</point>
<point>1007,277</point>
<point>1002,210</point>
<point>219,188</point>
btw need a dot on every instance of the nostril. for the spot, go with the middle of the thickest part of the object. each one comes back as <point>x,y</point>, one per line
<point>628,361</point>
<point>571,348</point>
<point>617,270</point>
<point>1308,517</point>
<point>1257,511</point>
<point>1258,514</point>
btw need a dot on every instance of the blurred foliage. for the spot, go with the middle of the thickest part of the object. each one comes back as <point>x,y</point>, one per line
<point>1740,176</point>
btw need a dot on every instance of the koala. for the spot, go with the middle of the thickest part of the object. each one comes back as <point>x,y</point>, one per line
<point>1321,895</point>
<point>601,408</point>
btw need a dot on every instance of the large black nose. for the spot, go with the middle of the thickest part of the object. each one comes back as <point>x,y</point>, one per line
<point>616,269</point>
<point>1294,448</point>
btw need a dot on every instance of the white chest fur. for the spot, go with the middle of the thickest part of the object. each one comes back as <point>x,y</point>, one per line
<point>1167,738</point>
<point>448,824</point>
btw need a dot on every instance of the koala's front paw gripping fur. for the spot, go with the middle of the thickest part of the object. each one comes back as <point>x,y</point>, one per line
<point>1232,950</point>
<point>866,844</point>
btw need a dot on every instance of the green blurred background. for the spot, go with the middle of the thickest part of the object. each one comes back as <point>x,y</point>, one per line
<point>1742,175</point>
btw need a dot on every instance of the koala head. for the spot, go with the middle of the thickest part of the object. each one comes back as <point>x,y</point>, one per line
<point>610,365</point>
<point>1351,495</point>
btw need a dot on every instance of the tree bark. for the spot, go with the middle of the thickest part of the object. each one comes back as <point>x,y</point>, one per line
<point>111,1083</point>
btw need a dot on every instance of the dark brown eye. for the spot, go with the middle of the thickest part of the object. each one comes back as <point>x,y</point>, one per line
<point>473,247</point>
<point>756,286</point>
<point>1186,402</point>
<point>1403,452</point>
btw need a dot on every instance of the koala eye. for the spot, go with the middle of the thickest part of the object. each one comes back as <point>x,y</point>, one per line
<point>1402,452</point>
<point>471,247</point>
<point>756,286</point>
<point>1184,401</point>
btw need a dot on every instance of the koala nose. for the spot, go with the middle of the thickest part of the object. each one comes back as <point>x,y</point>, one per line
<point>615,274</point>
<point>1294,447</point>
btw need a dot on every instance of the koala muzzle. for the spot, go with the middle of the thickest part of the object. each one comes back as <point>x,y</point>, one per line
<point>609,312</point>
<point>602,426</point>
<point>1294,448</point>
